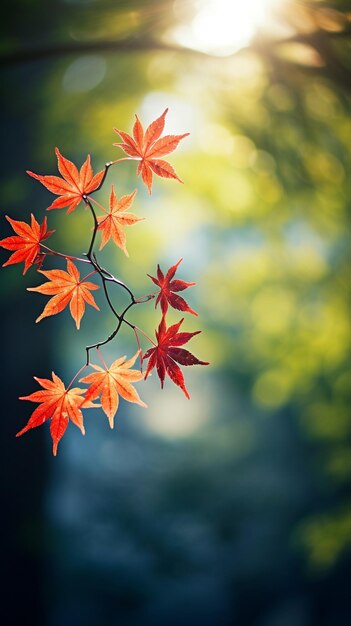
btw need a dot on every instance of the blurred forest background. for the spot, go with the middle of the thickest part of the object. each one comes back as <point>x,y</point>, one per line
<point>232,509</point>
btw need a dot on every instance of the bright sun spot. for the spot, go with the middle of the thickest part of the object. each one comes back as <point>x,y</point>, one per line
<point>223,26</point>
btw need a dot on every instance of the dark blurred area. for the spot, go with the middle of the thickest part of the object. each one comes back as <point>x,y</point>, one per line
<point>233,508</point>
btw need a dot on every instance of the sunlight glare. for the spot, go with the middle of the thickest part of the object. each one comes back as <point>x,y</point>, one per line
<point>222,27</point>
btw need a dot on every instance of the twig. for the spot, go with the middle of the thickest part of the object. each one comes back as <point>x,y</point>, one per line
<point>107,277</point>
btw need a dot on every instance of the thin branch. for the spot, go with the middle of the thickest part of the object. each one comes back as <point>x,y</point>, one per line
<point>111,278</point>
<point>25,55</point>
<point>107,277</point>
<point>101,343</point>
<point>107,167</point>
<point>107,295</point>
<point>112,335</point>
<point>136,45</point>
<point>96,225</point>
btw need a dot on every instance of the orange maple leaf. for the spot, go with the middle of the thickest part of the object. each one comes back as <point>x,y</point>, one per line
<point>66,287</point>
<point>112,382</point>
<point>27,243</point>
<point>148,146</point>
<point>73,185</point>
<point>59,404</point>
<point>112,224</point>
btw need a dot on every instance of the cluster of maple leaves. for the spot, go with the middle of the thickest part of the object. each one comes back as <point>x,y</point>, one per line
<point>59,403</point>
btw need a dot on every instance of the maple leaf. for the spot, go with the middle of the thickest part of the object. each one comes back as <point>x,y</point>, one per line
<point>168,289</point>
<point>112,382</point>
<point>59,404</point>
<point>73,185</point>
<point>66,287</point>
<point>26,245</point>
<point>148,147</point>
<point>167,352</point>
<point>112,224</point>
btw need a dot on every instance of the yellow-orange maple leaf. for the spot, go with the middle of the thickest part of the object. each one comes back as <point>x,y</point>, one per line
<point>73,185</point>
<point>148,146</point>
<point>66,287</point>
<point>112,224</point>
<point>112,382</point>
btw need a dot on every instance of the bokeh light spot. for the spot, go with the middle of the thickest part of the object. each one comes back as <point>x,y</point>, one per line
<point>84,73</point>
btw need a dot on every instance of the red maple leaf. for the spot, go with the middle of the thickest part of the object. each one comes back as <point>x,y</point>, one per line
<point>168,289</point>
<point>112,224</point>
<point>27,244</point>
<point>112,382</point>
<point>167,352</point>
<point>148,147</point>
<point>73,185</point>
<point>66,287</point>
<point>59,404</point>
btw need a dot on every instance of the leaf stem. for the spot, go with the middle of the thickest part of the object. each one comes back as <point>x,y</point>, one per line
<point>97,204</point>
<point>76,376</point>
<point>51,252</point>
<point>90,274</point>
<point>101,358</point>
<point>136,328</point>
